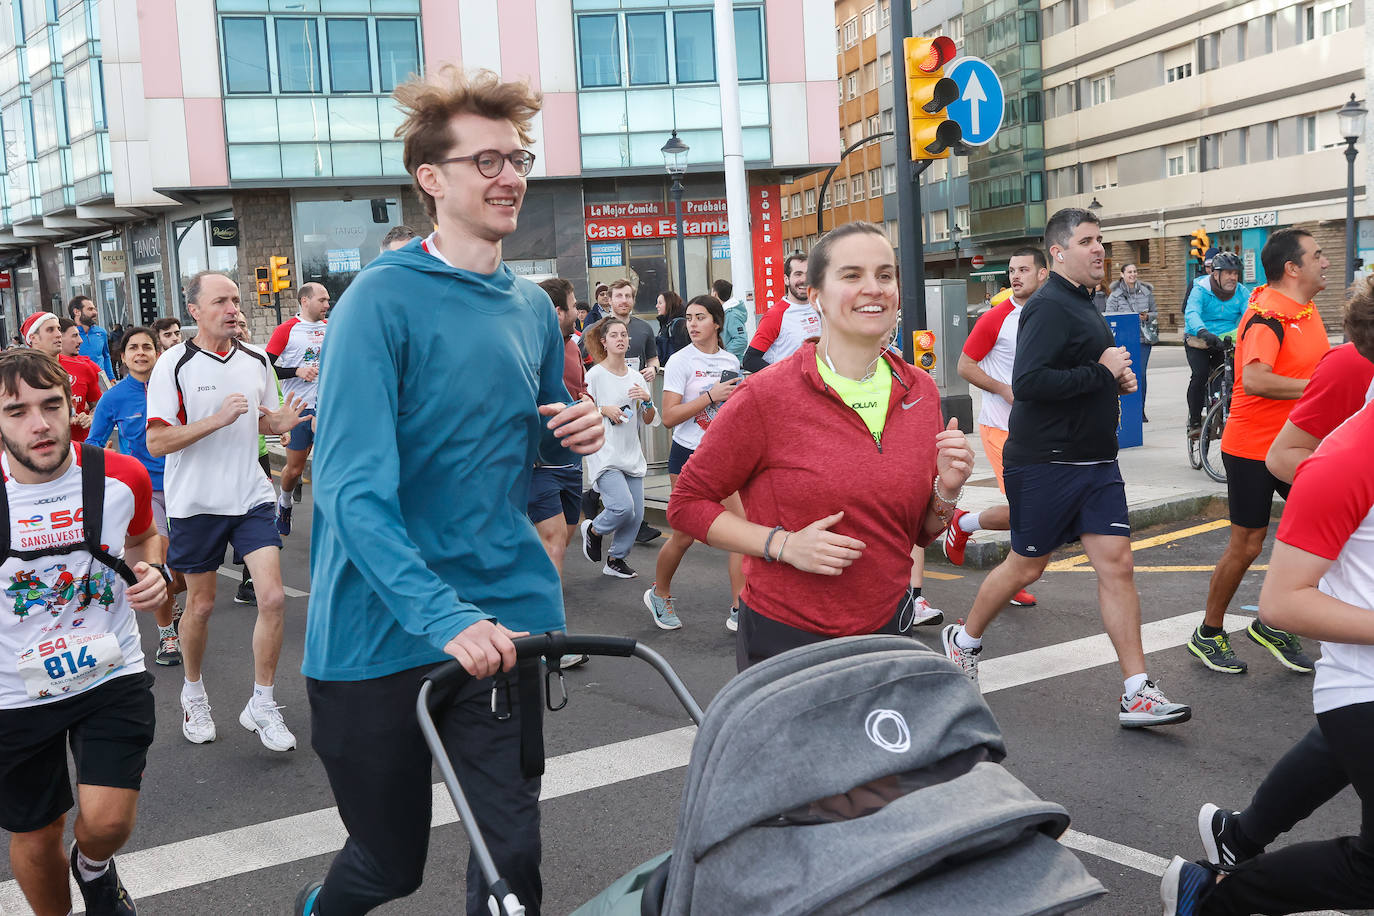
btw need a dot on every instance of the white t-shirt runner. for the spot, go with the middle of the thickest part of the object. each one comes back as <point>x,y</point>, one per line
<point>691,373</point>
<point>66,625</point>
<point>219,474</point>
<point>296,344</point>
<point>621,451</point>
<point>784,328</point>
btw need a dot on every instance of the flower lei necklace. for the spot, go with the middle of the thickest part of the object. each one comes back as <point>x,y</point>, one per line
<point>1269,313</point>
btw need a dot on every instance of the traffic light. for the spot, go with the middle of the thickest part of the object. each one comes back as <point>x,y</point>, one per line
<point>1200,243</point>
<point>928,93</point>
<point>923,350</point>
<point>280,269</point>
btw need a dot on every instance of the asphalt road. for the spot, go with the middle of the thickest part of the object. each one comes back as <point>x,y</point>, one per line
<point>1138,789</point>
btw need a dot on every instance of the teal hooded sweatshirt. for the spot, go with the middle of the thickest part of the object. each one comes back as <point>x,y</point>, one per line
<point>428,428</point>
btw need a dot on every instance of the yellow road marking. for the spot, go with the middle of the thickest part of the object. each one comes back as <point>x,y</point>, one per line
<point>943,577</point>
<point>1259,567</point>
<point>1071,563</point>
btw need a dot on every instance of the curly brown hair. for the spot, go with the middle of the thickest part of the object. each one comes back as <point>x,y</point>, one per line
<point>430,103</point>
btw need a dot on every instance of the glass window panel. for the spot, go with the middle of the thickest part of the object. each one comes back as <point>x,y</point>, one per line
<point>697,107</point>
<point>298,55</point>
<point>646,39</point>
<point>303,119</point>
<point>758,144</point>
<point>74,29</point>
<point>395,6</point>
<point>350,55</point>
<point>357,159</point>
<point>294,6</point>
<point>341,228</point>
<point>45,117</point>
<point>706,146</point>
<point>250,120</point>
<point>353,119</point>
<point>602,112</point>
<point>696,47</point>
<point>749,43</point>
<point>612,152</point>
<point>398,51</point>
<point>261,160</point>
<point>650,109</point>
<point>80,109</point>
<point>389,118</point>
<point>753,106</point>
<point>393,159</point>
<point>306,160</point>
<point>647,150</point>
<point>245,55</point>
<point>345,6</point>
<point>598,39</point>
<point>6,27</point>
<point>241,5</point>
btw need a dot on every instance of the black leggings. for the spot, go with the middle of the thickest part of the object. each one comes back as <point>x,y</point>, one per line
<point>378,764</point>
<point>1330,874</point>
<point>1201,363</point>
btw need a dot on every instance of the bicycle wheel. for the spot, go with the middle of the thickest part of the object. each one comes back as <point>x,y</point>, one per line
<point>1210,442</point>
<point>1195,449</point>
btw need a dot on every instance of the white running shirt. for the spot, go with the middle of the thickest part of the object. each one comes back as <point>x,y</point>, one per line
<point>66,626</point>
<point>691,373</point>
<point>219,474</point>
<point>785,327</point>
<point>992,344</point>
<point>296,344</point>
<point>621,450</point>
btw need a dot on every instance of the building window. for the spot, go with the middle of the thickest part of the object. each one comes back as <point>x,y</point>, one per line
<point>796,205</point>
<point>884,12</point>
<point>1307,22</point>
<point>398,51</point>
<point>870,76</point>
<point>785,211</point>
<point>660,48</point>
<point>298,55</point>
<point>938,170</point>
<point>350,57</point>
<point>1182,159</point>
<point>598,39</point>
<point>961,219</point>
<point>885,119</point>
<point>646,50</point>
<point>870,21</point>
<point>1103,88</point>
<point>245,55</point>
<point>851,32</point>
<point>810,195</point>
<point>939,225</point>
<point>856,188</point>
<point>694,33</point>
<point>1334,17</point>
<point>956,29</point>
<point>852,84</point>
<point>885,63</point>
<point>872,125</point>
<point>1104,174</point>
<point>875,182</point>
<point>748,44</point>
<point>1307,133</point>
<point>889,179</point>
<point>839,192</point>
<point>1178,63</point>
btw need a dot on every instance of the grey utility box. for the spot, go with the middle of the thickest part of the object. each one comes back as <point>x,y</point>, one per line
<point>947,316</point>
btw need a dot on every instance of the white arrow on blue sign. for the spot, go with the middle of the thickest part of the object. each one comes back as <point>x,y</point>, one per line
<point>978,110</point>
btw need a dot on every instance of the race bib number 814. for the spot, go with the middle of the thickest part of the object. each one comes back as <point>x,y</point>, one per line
<point>69,663</point>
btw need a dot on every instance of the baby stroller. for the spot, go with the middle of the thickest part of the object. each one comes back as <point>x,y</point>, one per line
<point>834,778</point>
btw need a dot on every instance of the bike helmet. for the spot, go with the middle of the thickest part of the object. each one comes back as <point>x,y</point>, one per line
<point>1226,261</point>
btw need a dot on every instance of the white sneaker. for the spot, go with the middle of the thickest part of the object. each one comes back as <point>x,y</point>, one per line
<point>266,720</point>
<point>922,614</point>
<point>966,659</point>
<point>196,723</point>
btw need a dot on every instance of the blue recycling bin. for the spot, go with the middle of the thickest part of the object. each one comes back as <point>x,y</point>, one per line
<point>1131,431</point>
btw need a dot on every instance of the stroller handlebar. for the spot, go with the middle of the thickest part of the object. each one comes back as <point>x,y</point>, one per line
<point>450,675</point>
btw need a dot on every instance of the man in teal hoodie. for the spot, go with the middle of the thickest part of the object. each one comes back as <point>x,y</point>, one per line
<point>443,369</point>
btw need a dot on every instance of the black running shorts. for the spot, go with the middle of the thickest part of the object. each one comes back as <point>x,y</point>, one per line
<point>1250,490</point>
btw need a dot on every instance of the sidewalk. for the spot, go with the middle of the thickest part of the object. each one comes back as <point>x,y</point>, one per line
<point>1160,485</point>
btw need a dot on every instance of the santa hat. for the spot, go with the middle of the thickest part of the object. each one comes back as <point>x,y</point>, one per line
<point>33,323</point>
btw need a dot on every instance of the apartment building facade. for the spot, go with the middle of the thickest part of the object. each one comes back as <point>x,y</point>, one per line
<point>149,139</point>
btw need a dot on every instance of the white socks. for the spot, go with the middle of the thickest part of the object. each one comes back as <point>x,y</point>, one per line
<point>193,690</point>
<point>284,500</point>
<point>1134,683</point>
<point>88,868</point>
<point>968,523</point>
<point>965,641</point>
<point>165,632</point>
<point>262,695</point>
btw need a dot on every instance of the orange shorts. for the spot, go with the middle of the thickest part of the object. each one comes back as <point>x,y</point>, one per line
<point>994,440</point>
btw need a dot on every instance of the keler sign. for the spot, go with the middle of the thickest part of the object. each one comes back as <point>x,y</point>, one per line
<point>656,227</point>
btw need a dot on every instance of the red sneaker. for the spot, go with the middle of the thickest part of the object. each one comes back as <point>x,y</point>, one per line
<point>1023,598</point>
<point>956,539</point>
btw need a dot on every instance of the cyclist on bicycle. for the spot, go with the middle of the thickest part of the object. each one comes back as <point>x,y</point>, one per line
<point>1280,339</point>
<point>1215,303</point>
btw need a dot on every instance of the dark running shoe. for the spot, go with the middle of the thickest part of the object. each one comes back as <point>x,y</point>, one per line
<point>246,594</point>
<point>647,533</point>
<point>1215,652</point>
<point>1184,886</point>
<point>104,896</point>
<point>168,650</point>
<point>591,543</point>
<point>1217,828</point>
<point>1286,647</point>
<point>284,519</point>
<point>305,900</point>
<point>298,493</point>
<point>616,566</point>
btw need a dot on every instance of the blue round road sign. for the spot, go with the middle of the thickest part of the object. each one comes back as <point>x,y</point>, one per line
<point>978,110</point>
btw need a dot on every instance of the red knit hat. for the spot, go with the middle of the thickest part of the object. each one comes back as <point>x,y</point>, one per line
<point>33,323</point>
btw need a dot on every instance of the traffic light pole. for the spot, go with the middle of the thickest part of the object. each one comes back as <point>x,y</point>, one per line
<point>276,306</point>
<point>910,244</point>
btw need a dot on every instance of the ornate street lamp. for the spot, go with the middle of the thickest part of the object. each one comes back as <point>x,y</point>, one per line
<point>675,161</point>
<point>1351,118</point>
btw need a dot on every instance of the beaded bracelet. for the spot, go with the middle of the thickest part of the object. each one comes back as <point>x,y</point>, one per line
<point>935,487</point>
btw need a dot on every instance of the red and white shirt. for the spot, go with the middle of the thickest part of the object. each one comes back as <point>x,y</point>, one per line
<point>219,474</point>
<point>992,343</point>
<point>296,344</point>
<point>1337,522</point>
<point>66,626</point>
<point>785,327</point>
<point>85,381</point>
<point>1342,383</point>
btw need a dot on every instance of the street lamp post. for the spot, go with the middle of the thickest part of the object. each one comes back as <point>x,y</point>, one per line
<point>675,161</point>
<point>1351,117</point>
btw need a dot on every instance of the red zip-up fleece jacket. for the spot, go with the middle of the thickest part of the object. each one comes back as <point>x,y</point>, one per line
<point>796,453</point>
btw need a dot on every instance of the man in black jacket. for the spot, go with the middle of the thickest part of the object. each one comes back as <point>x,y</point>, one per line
<point>1061,474</point>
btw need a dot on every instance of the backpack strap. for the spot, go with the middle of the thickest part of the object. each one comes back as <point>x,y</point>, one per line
<point>1273,324</point>
<point>4,520</point>
<point>93,510</point>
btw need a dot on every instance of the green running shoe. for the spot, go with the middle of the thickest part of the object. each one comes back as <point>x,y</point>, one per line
<point>1215,652</point>
<point>1286,647</point>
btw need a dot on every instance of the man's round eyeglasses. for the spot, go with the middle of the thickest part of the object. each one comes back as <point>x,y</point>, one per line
<point>490,162</point>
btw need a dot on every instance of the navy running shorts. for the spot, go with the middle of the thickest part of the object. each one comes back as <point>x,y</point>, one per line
<point>555,490</point>
<point>302,436</point>
<point>110,727</point>
<point>198,542</point>
<point>1250,489</point>
<point>1053,504</point>
<point>677,458</point>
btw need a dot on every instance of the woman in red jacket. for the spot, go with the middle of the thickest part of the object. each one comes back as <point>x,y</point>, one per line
<point>839,456</point>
